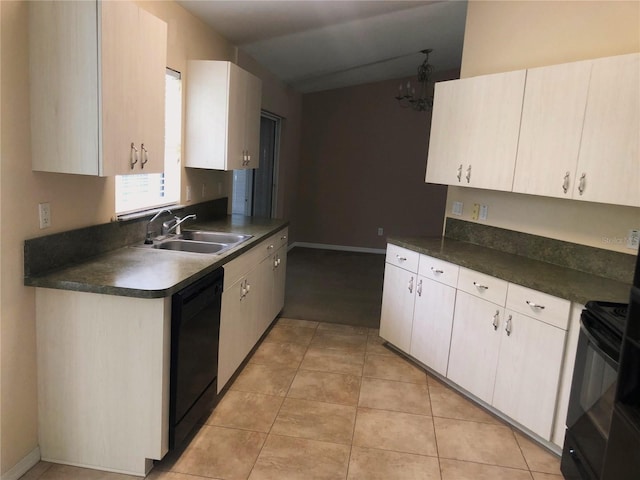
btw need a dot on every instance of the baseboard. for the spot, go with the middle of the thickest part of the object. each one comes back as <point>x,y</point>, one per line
<point>23,466</point>
<point>324,246</point>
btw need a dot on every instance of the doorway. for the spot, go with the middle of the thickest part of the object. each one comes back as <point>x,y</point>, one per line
<point>255,190</point>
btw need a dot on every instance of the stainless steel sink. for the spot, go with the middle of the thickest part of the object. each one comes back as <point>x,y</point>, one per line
<point>218,237</point>
<point>199,241</point>
<point>192,246</point>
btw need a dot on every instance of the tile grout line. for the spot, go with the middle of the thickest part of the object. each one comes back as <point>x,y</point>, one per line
<point>279,409</point>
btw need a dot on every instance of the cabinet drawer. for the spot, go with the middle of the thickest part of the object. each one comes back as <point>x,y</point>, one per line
<point>542,306</point>
<point>403,258</point>
<point>282,238</point>
<point>482,286</point>
<point>439,270</point>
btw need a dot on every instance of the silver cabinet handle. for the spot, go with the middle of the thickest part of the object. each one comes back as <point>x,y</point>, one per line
<point>468,176</point>
<point>496,320</point>
<point>434,270</point>
<point>535,305</point>
<point>419,289</point>
<point>411,285</point>
<point>459,174</point>
<point>145,156</point>
<point>565,184</point>
<point>134,156</point>
<point>479,286</point>
<point>284,237</point>
<point>269,247</point>
<point>401,259</point>
<point>507,327</point>
<point>582,184</point>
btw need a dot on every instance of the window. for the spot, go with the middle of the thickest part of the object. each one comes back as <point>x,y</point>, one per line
<point>149,190</point>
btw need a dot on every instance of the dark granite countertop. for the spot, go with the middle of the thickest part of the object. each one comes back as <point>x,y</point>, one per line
<point>151,273</point>
<point>562,282</point>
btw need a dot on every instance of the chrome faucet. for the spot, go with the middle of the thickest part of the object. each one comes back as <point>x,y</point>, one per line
<point>147,239</point>
<point>167,227</point>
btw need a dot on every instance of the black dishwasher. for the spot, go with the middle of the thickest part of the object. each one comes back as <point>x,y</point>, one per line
<point>195,330</point>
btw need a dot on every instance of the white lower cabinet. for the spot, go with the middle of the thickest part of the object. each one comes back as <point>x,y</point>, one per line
<point>528,371</point>
<point>432,323</point>
<point>501,342</point>
<point>237,326</point>
<point>103,379</point>
<point>253,296</point>
<point>396,318</point>
<point>475,345</point>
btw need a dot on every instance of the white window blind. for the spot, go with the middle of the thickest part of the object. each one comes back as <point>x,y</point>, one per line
<point>149,190</point>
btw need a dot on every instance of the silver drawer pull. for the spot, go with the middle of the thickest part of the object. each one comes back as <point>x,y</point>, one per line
<point>402,259</point>
<point>535,305</point>
<point>479,286</point>
<point>434,270</point>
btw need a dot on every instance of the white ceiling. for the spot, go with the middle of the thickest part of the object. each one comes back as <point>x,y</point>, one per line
<point>316,45</point>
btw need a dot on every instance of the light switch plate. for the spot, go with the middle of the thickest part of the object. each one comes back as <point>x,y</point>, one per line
<point>457,208</point>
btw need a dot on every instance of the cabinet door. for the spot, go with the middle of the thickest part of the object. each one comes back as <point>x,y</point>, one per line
<point>396,319</point>
<point>152,82</point>
<point>528,372</point>
<point>234,329</point>
<point>237,105</point>
<point>63,61</point>
<point>610,150</point>
<point>253,90</point>
<point>475,343</point>
<point>279,283</point>
<point>551,128</point>
<point>120,69</point>
<point>474,131</point>
<point>432,323</point>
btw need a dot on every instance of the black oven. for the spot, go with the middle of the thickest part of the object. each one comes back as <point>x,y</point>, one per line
<point>593,389</point>
<point>622,459</point>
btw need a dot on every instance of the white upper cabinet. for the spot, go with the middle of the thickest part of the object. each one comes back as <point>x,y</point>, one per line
<point>554,103</point>
<point>223,116</point>
<point>97,88</point>
<point>609,162</point>
<point>576,135</point>
<point>474,131</point>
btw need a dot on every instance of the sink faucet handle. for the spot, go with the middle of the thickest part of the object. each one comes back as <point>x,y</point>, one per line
<point>148,237</point>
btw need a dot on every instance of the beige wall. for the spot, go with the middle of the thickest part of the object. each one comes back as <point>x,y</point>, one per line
<point>76,201</point>
<point>362,167</point>
<point>510,35</point>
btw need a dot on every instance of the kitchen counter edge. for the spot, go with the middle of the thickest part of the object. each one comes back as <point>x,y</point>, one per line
<point>137,272</point>
<point>555,280</point>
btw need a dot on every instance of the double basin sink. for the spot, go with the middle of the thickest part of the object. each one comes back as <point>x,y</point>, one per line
<point>197,241</point>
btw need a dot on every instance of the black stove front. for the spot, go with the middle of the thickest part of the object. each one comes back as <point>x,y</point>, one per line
<point>593,390</point>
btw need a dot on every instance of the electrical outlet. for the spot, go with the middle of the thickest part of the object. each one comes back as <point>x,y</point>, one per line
<point>188,193</point>
<point>633,240</point>
<point>380,231</point>
<point>457,208</point>
<point>484,210</point>
<point>44,211</point>
<point>476,211</point>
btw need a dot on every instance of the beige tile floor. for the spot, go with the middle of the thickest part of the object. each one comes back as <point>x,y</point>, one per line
<point>324,401</point>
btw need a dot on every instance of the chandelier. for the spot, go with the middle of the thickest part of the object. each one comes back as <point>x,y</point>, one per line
<point>407,94</point>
